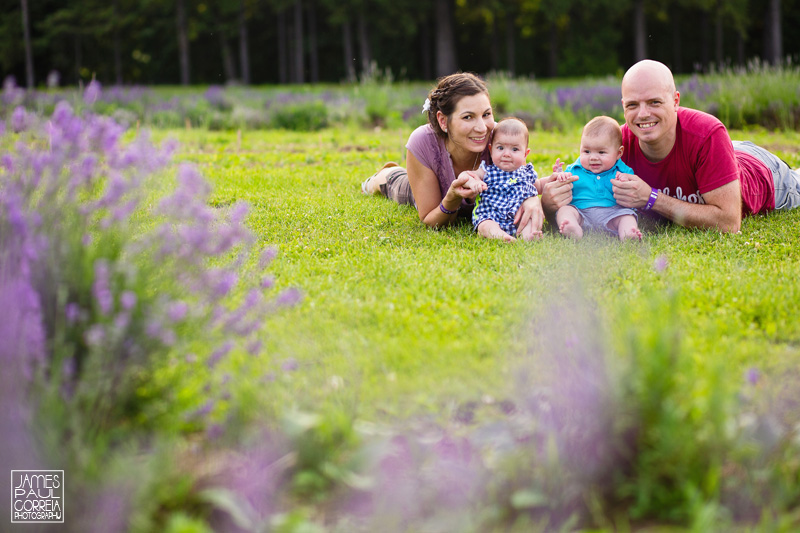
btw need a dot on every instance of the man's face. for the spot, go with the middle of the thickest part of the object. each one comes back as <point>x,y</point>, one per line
<point>509,151</point>
<point>651,109</point>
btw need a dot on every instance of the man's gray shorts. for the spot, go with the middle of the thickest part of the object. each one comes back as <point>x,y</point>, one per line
<point>787,181</point>
<point>597,218</point>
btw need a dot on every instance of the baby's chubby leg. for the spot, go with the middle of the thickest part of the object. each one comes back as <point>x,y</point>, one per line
<point>626,227</point>
<point>569,221</point>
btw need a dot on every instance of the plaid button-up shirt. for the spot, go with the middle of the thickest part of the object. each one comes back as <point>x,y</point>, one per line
<point>505,193</point>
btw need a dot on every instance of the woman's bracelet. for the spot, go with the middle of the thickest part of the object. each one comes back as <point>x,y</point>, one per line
<point>444,210</point>
<point>652,200</point>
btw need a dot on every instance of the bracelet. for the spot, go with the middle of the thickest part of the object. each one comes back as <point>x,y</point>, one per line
<point>446,211</point>
<point>652,200</point>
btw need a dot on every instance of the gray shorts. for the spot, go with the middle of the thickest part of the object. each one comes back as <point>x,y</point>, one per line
<point>397,187</point>
<point>787,181</point>
<point>597,218</point>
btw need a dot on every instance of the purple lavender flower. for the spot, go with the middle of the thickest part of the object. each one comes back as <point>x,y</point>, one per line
<point>254,347</point>
<point>290,365</point>
<point>92,92</point>
<point>72,312</point>
<point>20,120</point>
<point>95,335</point>
<point>101,287</point>
<point>202,411</point>
<point>217,355</point>
<point>660,264</point>
<point>289,297</point>
<point>177,311</point>
<point>266,257</point>
<point>753,375</point>
<point>215,431</point>
<point>127,300</point>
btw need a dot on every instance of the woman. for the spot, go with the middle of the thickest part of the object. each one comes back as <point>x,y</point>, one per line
<point>456,139</point>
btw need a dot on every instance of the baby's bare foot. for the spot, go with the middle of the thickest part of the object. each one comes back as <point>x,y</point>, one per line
<point>632,233</point>
<point>568,229</point>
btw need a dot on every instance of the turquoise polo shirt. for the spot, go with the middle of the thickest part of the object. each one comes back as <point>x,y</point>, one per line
<point>594,190</point>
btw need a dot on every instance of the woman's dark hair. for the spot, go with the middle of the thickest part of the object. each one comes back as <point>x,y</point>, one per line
<point>448,92</point>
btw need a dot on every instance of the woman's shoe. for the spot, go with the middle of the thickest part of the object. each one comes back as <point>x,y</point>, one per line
<point>366,187</point>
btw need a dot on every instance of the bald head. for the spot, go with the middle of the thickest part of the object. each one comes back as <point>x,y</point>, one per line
<point>650,104</point>
<point>651,73</point>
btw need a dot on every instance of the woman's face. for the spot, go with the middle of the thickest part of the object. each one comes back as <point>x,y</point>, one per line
<point>471,123</point>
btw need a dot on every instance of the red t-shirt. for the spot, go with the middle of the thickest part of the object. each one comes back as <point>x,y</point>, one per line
<point>702,160</point>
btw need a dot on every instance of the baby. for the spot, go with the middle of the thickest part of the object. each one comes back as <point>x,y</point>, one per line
<point>509,181</point>
<point>593,206</point>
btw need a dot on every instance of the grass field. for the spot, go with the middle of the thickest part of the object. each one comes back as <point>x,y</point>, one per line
<point>534,386</point>
<point>412,319</point>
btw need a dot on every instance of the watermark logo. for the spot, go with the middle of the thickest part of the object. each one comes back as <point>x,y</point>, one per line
<point>37,496</point>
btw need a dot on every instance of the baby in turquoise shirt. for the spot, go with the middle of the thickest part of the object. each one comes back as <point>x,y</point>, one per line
<point>593,206</point>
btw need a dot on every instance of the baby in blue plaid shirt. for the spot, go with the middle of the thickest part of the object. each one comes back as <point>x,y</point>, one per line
<point>509,181</point>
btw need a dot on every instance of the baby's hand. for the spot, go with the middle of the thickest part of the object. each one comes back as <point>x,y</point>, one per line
<point>558,166</point>
<point>562,176</point>
<point>475,185</point>
<point>621,176</point>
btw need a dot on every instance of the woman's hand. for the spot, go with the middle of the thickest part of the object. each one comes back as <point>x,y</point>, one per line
<point>464,187</point>
<point>529,218</point>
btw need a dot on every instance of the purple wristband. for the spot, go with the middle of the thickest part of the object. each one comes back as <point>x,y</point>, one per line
<point>444,210</point>
<point>652,200</point>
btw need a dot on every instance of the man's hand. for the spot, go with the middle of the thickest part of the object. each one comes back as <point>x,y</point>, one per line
<point>555,193</point>
<point>630,190</point>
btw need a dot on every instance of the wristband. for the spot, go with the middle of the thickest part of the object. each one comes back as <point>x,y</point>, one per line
<point>446,211</point>
<point>652,200</point>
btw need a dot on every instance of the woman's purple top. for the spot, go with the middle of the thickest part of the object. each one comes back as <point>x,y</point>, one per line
<point>430,150</point>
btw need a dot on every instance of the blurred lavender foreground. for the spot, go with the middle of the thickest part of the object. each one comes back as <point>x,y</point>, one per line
<point>97,287</point>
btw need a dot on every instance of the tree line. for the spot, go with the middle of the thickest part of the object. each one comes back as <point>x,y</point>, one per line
<point>309,41</point>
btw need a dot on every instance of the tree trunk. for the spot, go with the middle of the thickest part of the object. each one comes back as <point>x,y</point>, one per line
<point>364,45</point>
<point>740,58</point>
<point>78,58</point>
<point>773,36</point>
<point>511,48</point>
<point>227,57</point>
<point>349,54</point>
<point>445,39</point>
<point>639,31</point>
<point>26,33</point>
<point>117,45</point>
<point>283,52</point>
<point>183,41</point>
<point>494,46</point>
<point>719,54</point>
<point>313,46</point>
<point>299,69</point>
<point>705,54</point>
<point>677,49</point>
<point>427,47</point>
<point>244,55</point>
<point>552,56</point>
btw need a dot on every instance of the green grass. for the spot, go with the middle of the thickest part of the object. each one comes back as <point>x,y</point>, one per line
<point>399,319</point>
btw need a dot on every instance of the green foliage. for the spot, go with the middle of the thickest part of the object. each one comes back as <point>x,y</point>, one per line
<point>311,116</point>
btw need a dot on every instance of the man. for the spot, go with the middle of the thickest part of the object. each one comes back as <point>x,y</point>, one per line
<point>687,168</point>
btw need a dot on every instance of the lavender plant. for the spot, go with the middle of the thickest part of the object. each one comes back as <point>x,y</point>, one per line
<point>114,280</point>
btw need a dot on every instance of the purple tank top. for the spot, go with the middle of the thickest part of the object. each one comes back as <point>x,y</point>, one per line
<point>430,150</point>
